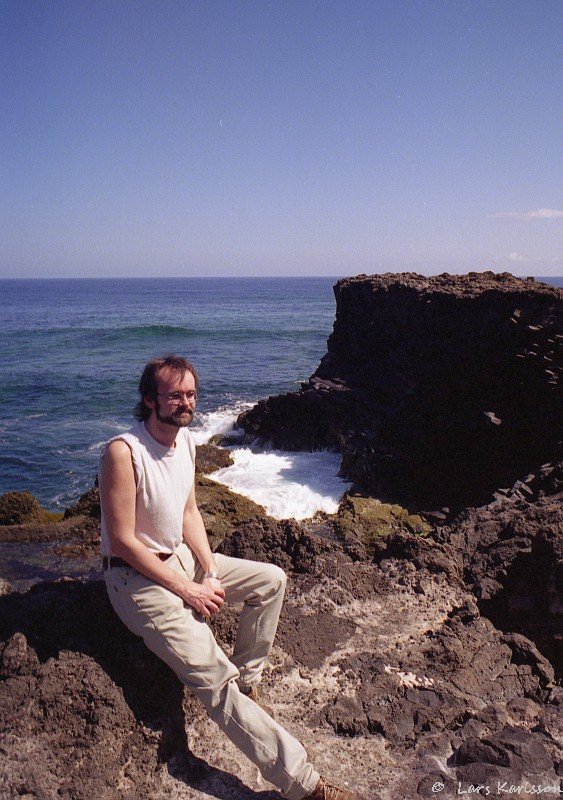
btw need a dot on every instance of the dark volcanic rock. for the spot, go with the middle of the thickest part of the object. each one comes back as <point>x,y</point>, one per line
<point>284,543</point>
<point>87,506</point>
<point>321,631</point>
<point>422,553</point>
<point>223,511</point>
<point>84,707</point>
<point>80,736</point>
<point>86,710</point>
<point>465,665</point>
<point>436,390</point>
<point>512,756</point>
<point>363,523</point>
<point>511,554</point>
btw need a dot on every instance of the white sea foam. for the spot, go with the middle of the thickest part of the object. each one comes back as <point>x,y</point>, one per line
<point>216,422</point>
<point>288,485</point>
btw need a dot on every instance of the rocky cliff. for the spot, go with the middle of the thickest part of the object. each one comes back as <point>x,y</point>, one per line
<point>437,391</point>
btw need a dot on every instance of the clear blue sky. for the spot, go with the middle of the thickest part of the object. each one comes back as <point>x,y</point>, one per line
<point>216,137</point>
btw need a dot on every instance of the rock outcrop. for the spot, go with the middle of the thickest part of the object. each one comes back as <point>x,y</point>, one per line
<point>511,555</point>
<point>88,505</point>
<point>437,391</point>
<point>411,661</point>
<point>386,671</point>
<point>20,508</point>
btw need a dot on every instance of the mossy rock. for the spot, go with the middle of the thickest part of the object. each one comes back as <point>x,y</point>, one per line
<point>216,440</point>
<point>223,510</point>
<point>367,519</point>
<point>18,508</point>
<point>210,458</point>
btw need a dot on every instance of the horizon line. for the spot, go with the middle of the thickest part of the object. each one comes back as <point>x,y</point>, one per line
<point>170,277</point>
<point>259,277</point>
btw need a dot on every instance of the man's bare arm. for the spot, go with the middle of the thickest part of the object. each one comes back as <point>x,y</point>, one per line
<point>118,495</point>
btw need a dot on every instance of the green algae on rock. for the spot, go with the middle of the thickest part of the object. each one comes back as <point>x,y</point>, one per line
<point>210,458</point>
<point>365,519</point>
<point>222,510</point>
<point>19,508</point>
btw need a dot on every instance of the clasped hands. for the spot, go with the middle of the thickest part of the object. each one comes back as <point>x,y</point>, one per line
<point>206,597</point>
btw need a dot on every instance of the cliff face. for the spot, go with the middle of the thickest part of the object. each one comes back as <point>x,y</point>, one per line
<point>437,391</point>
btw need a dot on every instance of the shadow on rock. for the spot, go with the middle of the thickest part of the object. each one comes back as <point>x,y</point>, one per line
<point>85,707</point>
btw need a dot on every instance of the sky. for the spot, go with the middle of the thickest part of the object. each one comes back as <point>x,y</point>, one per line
<point>292,137</point>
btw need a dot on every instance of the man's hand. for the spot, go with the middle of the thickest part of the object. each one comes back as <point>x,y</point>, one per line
<point>206,598</point>
<point>213,583</point>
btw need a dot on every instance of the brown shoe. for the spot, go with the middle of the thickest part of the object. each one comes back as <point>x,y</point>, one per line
<point>325,790</point>
<point>253,692</point>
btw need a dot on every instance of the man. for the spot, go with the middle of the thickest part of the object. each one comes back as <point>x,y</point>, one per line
<point>164,581</point>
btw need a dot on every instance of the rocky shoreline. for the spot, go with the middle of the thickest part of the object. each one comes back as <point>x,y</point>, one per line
<point>437,391</point>
<point>418,654</point>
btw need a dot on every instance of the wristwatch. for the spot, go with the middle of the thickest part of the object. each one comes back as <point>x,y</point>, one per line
<point>212,575</point>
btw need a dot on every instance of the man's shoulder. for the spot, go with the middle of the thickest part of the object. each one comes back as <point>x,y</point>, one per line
<point>116,455</point>
<point>117,446</point>
<point>125,442</point>
<point>187,434</point>
<point>133,434</point>
<point>189,440</point>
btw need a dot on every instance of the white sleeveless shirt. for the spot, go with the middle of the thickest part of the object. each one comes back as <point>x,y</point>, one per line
<point>164,477</point>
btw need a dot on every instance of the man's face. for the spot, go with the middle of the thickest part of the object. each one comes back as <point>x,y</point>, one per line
<point>175,402</point>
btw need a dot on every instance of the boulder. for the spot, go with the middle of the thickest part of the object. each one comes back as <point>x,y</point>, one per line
<point>361,521</point>
<point>87,506</point>
<point>17,508</point>
<point>210,458</point>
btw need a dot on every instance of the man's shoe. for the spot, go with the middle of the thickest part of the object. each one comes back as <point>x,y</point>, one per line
<point>253,692</point>
<point>325,790</point>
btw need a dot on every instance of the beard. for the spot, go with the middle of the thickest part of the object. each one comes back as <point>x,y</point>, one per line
<point>181,417</point>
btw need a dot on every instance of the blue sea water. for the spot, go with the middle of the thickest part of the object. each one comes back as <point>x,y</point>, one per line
<point>73,350</point>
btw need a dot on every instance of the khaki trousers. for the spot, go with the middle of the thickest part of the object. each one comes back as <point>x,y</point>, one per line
<point>181,638</point>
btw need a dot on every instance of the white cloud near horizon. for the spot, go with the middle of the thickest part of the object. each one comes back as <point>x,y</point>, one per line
<point>517,257</point>
<point>514,258</point>
<point>540,213</point>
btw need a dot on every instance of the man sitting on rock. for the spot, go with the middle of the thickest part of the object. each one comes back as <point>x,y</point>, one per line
<point>164,581</point>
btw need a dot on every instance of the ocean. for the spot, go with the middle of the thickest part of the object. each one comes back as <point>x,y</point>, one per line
<point>73,351</point>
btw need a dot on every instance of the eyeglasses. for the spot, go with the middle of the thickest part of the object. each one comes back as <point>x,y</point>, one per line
<point>177,397</point>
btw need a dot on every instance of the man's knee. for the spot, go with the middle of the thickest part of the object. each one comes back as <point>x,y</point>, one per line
<point>278,578</point>
<point>213,688</point>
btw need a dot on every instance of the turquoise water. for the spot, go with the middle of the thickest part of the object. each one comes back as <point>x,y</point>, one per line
<point>73,351</point>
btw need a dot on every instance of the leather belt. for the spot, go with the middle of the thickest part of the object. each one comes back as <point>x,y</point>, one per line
<point>108,562</point>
